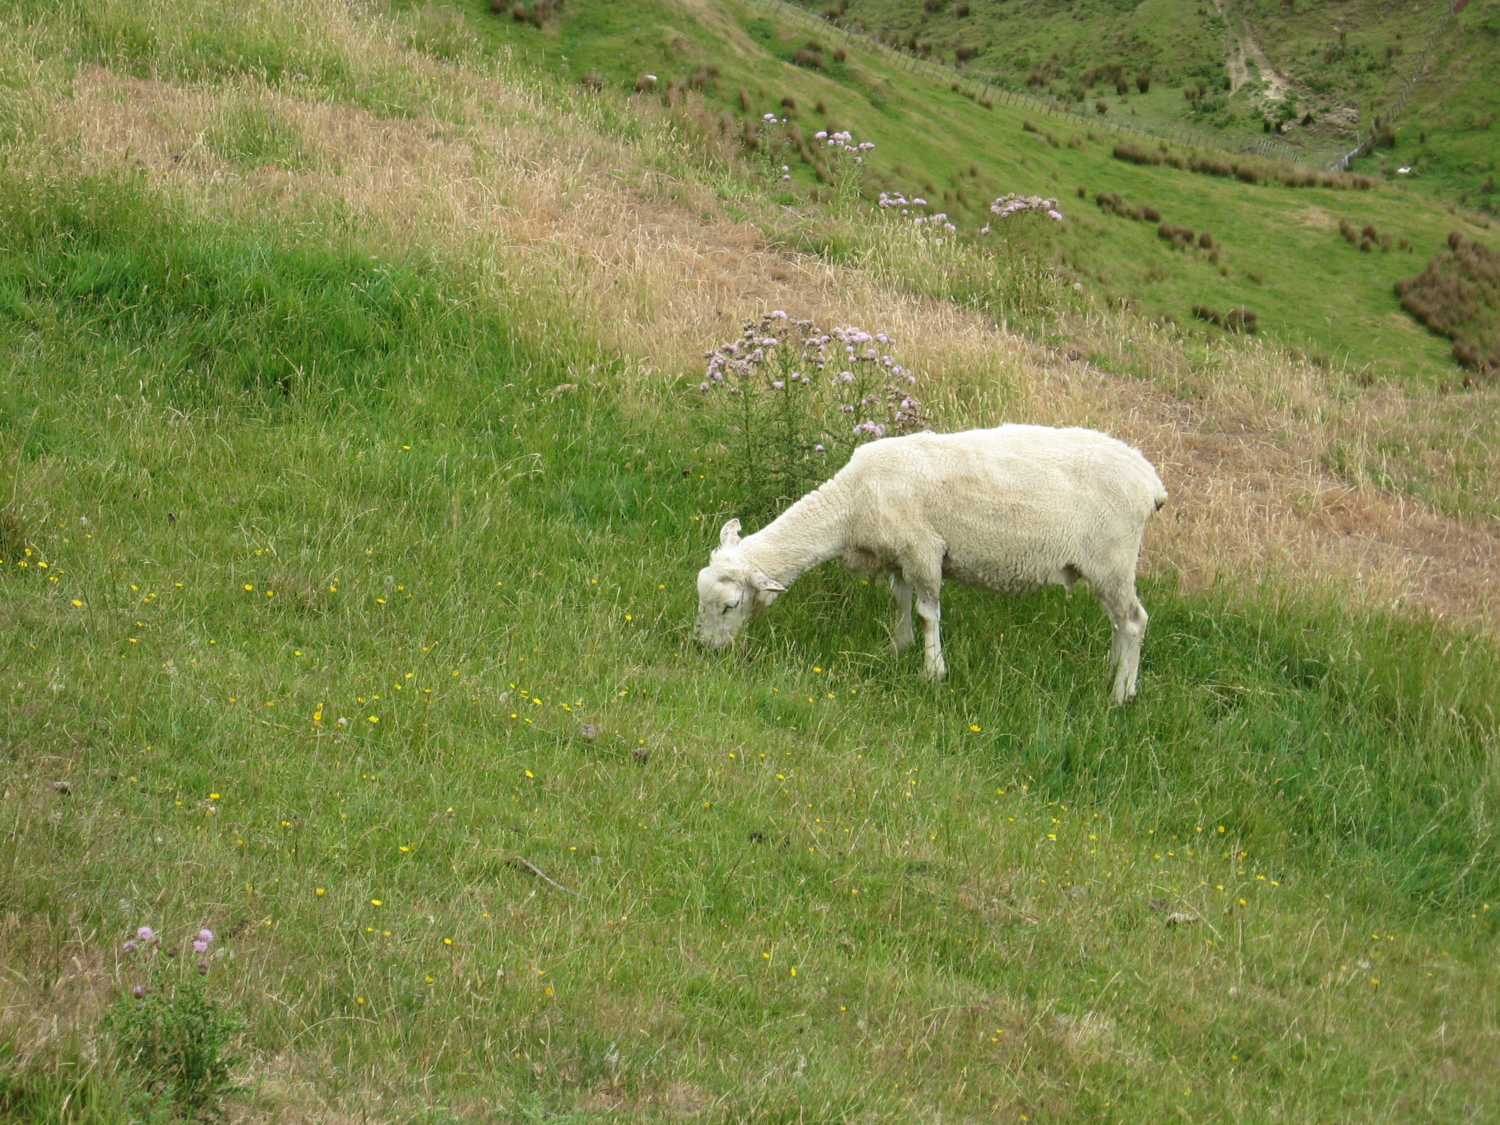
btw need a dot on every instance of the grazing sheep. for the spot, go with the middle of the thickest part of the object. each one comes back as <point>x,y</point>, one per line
<point>645,83</point>
<point>1011,509</point>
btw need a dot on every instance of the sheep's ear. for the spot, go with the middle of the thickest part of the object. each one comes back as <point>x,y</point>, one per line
<point>729,534</point>
<point>766,584</point>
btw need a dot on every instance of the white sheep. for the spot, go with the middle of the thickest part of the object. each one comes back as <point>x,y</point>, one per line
<point>1012,509</point>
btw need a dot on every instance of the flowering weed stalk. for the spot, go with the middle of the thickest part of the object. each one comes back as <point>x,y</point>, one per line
<point>168,1030</point>
<point>843,164</point>
<point>793,400</point>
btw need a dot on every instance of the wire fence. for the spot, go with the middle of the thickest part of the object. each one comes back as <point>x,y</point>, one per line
<point>1393,111</point>
<point>979,87</point>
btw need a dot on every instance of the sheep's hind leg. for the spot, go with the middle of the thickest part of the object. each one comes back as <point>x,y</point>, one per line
<point>901,590</point>
<point>929,611</point>
<point>1128,617</point>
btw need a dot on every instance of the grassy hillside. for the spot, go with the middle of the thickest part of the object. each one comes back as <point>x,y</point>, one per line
<point>1447,135</point>
<point>1334,69</point>
<point>1280,253</point>
<point>356,492</point>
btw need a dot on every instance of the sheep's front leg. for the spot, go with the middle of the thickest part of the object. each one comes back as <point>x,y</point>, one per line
<point>929,611</point>
<point>901,590</point>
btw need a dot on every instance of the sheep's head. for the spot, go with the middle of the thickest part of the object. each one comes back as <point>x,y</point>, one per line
<point>731,590</point>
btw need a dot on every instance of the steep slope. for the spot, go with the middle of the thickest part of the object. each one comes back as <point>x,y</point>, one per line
<point>1319,73</point>
<point>1278,251</point>
<point>356,481</point>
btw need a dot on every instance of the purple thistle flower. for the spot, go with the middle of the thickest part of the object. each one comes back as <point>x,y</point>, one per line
<point>129,947</point>
<point>138,991</point>
<point>145,933</point>
<point>200,947</point>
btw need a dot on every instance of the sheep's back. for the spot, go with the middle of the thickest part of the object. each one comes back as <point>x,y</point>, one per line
<point>1013,507</point>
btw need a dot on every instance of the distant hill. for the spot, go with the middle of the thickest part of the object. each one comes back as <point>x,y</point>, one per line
<point>1319,73</point>
<point>1273,251</point>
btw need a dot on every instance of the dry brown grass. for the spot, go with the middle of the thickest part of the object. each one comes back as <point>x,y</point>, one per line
<point>1243,438</point>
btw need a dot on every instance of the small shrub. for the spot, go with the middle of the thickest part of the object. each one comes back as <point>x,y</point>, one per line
<point>1101,106</point>
<point>1151,214</point>
<point>1122,87</point>
<point>1143,81</point>
<point>1206,240</point>
<point>746,105</point>
<point>1028,127</point>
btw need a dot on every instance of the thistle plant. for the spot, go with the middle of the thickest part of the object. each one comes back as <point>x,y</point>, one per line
<point>774,149</point>
<point>792,400</point>
<point>169,1032</point>
<point>844,160</point>
<point>1008,207</point>
<point>935,226</point>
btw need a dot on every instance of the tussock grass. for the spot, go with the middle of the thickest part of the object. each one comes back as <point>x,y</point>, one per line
<point>385,445</point>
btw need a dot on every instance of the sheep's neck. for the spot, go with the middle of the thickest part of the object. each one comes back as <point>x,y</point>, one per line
<point>810,532</point>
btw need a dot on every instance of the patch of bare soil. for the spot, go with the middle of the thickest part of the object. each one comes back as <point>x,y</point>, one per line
<point>1244,49</point>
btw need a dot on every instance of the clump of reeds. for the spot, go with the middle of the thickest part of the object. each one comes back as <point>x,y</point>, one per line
<point>1246,171</point>
<point>1136,154</point>
<point>1240,320</point>
<point>1368,237</point>
<point>1458,295</point>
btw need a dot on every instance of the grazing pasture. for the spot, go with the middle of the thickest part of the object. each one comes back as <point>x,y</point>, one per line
<point>355,485</point>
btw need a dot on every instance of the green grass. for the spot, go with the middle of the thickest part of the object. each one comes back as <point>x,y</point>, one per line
<point>295,468</point>
<point>1356,55</point>
<point>350,576</point>
<point>1281,255</point>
